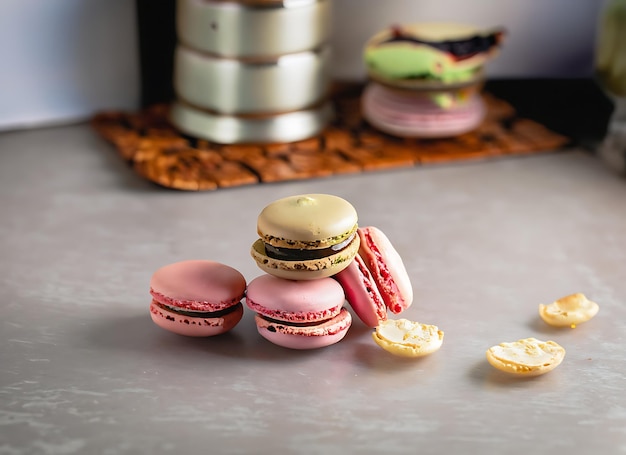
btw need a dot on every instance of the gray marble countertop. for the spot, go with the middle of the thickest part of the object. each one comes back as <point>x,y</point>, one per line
<point>83,370</point>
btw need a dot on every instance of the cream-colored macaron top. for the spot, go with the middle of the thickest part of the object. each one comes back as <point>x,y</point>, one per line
<point>307,221</point>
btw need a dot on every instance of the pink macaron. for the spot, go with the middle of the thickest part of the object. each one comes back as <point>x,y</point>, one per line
<point>362,293</point>
<point>303,314</point>
<point>387,269</point>
<point>197,298</point>
<point>414,114</point>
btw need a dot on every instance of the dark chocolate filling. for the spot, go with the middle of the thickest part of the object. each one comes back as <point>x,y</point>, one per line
<point>459,49</point>
<point>293,254</point>
<point>290,323</point>
<point>197,314</point>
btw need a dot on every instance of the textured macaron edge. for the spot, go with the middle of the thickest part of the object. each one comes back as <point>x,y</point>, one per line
<point>294,316</point>
<point>320,335</point>
<point>201,326</point>
<point>195,305</point>
<point>304,270</point>
<point>324,242</point>
<point>387,269</point>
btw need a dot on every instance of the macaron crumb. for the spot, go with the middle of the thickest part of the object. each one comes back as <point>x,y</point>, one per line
<point>405,338</point>
<point>568,311</point>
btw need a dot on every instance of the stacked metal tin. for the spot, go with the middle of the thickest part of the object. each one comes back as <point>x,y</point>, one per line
<point>254,71</point>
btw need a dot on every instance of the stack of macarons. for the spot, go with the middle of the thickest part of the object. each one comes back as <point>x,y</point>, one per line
<point>304,241</point>
<point>316,258</point>
<point>426,78</point>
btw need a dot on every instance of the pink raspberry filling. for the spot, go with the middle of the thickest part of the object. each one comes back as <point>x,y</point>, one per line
<point>391,293</point>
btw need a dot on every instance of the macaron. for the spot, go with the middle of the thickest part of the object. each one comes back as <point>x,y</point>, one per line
<point>430,54</point>
<point>387,269</point>
<point>197,298</point>
<point>305,314</point>
<point>362,293</point>
<point>306,237</point>
<point>411,113</point>
<point>426,78</point>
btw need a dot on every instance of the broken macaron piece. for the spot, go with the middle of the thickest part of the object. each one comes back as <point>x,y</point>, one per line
<point>387,269</point>
<point>305,237</point>
<point>406,338</point>
<point>305,314</point>
<point>197,298</point>
<point>526,357</point>
<point>568,311</point>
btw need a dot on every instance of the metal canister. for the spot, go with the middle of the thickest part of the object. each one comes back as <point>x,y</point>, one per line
<point>238,86</point>
<point>252,71</point>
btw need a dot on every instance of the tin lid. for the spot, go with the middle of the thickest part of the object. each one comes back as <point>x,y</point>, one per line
<point>253,28</point>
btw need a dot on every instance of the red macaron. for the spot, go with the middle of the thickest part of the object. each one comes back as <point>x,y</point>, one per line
<point>362,293</point>
<point>387,269</point>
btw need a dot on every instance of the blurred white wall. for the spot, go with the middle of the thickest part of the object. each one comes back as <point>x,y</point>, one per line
<point>63,60</point>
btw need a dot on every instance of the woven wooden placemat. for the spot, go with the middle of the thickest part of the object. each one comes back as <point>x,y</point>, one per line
<point>160,154</point>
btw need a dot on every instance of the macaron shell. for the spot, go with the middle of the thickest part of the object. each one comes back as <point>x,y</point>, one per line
<point>198,285</point>
<point>307,221</point>
<point>362,293</point>
<point>387,269</point>
<point>408,338</point>
<point>195,326</point>
<point>295,301</point>
<point>304,270</point>
<point>305,337</point>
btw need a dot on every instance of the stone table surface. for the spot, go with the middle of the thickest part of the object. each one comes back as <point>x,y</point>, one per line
<point>83,370</point>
